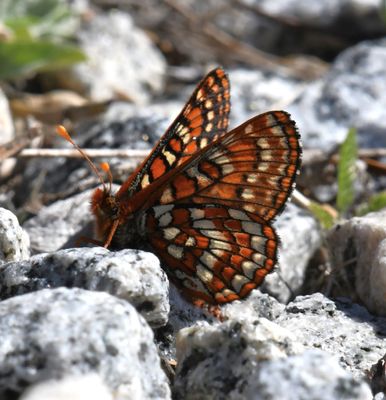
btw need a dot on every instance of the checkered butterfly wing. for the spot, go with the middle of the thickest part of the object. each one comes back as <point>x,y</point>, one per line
<point>211,222</point>
<point>204,118</point>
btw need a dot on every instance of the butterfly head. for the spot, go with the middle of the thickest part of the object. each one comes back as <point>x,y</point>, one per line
<point>106,208</point>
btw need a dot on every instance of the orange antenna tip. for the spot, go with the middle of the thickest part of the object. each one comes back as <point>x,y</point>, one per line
<point>62,131</point>
<point>105,166</point>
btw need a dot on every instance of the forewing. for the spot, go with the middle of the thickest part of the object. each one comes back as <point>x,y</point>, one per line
<point>213,253</point>
<point>204,118</point>
<point>252,168</point>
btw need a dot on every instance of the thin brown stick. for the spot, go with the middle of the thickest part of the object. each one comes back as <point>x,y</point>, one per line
<point>93,153</point>
<point>310,156</point>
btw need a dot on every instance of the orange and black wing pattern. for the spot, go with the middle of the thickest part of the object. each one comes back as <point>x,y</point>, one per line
<point>210,222</point>
<point>204,118</point>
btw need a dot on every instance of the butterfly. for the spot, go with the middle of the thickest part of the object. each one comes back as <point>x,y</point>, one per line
<point>204,199</point>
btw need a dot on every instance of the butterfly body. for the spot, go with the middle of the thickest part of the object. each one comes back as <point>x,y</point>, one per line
<point>204,198</point>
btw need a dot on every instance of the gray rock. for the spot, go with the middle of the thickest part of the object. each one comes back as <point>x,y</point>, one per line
<point>300,237</point>
<point>352,94</point>
<point>338,327</point>
<point>132,275</point>
<point>60,224</point>
<point>256,359</point>
<point>213,361</point>
<point>14,241</point>
<point>254,92</point>
<point>122,61</point>
<point>358,248</point>
<point>257,304</point>
<point>54,333</point>
<point>311,375</point>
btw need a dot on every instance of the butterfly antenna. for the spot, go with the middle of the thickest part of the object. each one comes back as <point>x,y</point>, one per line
<point>105,166</point>
<point>62,131</point>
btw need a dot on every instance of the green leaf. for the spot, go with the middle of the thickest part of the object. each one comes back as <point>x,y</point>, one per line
<point>26,57</point>
<point>348,154</point>
<point>322,215</point>
<point>40,18</point>
<point>375,203</point>
<point>382,10</point>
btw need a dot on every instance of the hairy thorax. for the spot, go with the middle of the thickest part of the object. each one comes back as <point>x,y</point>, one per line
<point>129,233</point>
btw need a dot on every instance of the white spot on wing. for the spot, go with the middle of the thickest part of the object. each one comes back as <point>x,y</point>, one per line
<point>200,94</point>
<point>145,181</point>
<point>259,258</point>
<point>276,131</point>
<point>167,196</point>
<point>249,268</point>
<point>203,224</point>
<point>249,207</point>
<point>252,178</point>
<point>258,243</point>
<point>186,139</point>
<point>218,244</point>
<point>266,155</point>
<point>248,128</point>
<point>196,213</point>
<point>204,274</point>
<point>208,259</point>
<point>222,160</point>
<point>209,127</point>
<point>170,157</point>
<point>208,104</point>
<point>263,143</point>
<point>239,281</point>
<point>263,166</point>
<point>175,251</point>
<point>227,169</point>
<point>247,194</point>
<point>239,215</point>
<point>204,142</point>
<point>159,210</point>
<point>171,233</point>
<point>184,131</point>
<point>251,227</point>
<point>165,220</point>
<point>191,241</point>
<point>213,234</point>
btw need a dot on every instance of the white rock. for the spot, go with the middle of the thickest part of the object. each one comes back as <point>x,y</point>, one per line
<point>313,375</point>
<point>14,241</point>
<point>359,249</point>
<point>300,237</point>
<point>122,60</point>
<point>257,360</point>
<point>351,95</point>
<point>132,275</point>
<point>339,327</point>
<point>55,333</point>
<point>255,92</point>
<point>58,224</point>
